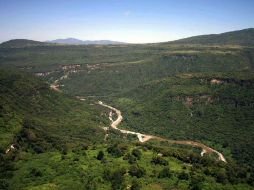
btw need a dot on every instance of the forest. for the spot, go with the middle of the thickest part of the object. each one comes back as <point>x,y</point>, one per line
<point>55,135</point>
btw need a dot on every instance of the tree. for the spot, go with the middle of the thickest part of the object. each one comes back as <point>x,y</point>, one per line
<point>196,181</point>
<point>117,150</point>
<point>117,179</point>
<point>131,159</point>
<point>250,180</point>
<point>91,183</point>
<point>159,160</point>
<point>36,173</point>
<point>221,177</point>
<point>165,173</point>
<point>137,171</point>
<point>137,153</point>
<point>100,155</point>
<point>136,185</point>
<point>183,176</point>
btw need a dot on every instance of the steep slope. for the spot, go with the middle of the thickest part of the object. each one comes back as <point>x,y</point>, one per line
<point>242,37</point>
<point>29,107</point>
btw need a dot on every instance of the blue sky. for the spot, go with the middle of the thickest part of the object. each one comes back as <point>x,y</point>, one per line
<point>136,21</point>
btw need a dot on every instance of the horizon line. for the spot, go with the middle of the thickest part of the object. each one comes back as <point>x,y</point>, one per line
<point>123,41</point>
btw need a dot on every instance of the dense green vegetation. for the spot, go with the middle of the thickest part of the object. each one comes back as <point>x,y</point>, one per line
<point>79,168</point>
<point>29,107</point>
<point>106,70</point>
<point>59,145</point>
<point>193,107</point>
<point>187,90</point>
<point>241,37</point>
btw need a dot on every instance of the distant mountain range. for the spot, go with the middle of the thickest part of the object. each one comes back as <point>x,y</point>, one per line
<point>74,41</point>
<point>241,37</point>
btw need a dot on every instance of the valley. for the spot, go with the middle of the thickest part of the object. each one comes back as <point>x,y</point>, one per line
<point>179,115</point>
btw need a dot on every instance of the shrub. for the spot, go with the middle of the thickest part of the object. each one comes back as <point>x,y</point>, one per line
<point>100,155</point>
<point>160,161</point>
<point>183,176</point>
<point>137,153</point>
<point>136,185</point>
<point>35,173</point>
<point>196,181</point>
<point>117,179</point>
<point>116,150</point>
<point>221,177</point>
<point>137,171</point>
<point>131,159</point>
<point>165,173</point>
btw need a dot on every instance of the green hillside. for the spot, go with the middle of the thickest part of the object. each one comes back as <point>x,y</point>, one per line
<point>199,89</point>
<point>214,108</point>
<point>28,106</point>
<point>112,69</point>
<point>21,43</point>
<point>59,145</point>
<point>242,37</point>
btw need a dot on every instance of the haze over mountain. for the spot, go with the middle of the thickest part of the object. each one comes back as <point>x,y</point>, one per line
<point>241,37</point>
<point>74,41</point>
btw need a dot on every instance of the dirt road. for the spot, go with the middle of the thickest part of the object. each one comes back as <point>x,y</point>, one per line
<point>144,137</point>
<point>114,124</point>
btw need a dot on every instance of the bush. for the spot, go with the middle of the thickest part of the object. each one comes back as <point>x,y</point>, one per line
<point>160,161</point>
<point>100,155</point>
<point>196,181</point>
<point>136,185</point>
<point>91,183</point>
<point>221,177</point>
<point>35,173</point>
<point>115,177</point>
<point>37,149</point>
<point>183,176</point>
<point>137,171</point>
<point>137,153</point>
<point>131,159</point>
<point>3,184</point>
<point>165,173</point>
<point>116,150</point>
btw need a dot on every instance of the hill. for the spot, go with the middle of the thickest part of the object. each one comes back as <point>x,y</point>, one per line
<point>242,37</point>
<point>73,41</point>
<point>19,43</point>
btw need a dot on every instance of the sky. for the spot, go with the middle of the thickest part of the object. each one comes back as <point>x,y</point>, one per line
<point>133,21</point>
